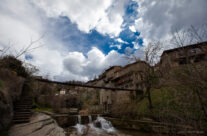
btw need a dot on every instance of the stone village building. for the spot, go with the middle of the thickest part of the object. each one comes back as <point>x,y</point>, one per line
<point>194,53</point>
<point>131,76</point>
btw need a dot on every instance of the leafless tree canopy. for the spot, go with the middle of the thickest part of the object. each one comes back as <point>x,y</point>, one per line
<point>34,44</point>
<point>189,36</point>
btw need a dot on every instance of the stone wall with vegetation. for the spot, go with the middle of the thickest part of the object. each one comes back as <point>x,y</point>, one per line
<point>179,98</point>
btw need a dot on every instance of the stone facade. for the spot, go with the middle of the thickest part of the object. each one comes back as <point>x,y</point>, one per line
<point>184,55</point>
<point>130,77</point>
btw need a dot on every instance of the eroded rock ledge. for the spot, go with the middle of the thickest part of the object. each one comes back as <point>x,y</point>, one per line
<point>40,125</point>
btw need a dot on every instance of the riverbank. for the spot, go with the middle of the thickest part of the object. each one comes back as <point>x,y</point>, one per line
<point>153,127</point>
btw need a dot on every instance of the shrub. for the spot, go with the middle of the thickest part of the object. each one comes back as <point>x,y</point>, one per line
<point>10,62</point>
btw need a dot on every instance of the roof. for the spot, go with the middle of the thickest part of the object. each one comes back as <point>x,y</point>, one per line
<point>184,47</point>
<point>112,68</point>
<point>140,61</point>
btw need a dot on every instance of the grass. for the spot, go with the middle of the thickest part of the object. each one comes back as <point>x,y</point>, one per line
<point>159,99</point>
<point>171,102</point>
<point>40,109</point>
<point>1,84</point>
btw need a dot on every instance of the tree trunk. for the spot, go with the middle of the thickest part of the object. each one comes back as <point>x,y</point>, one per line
<point>149,97</point>
<point>201,103</point>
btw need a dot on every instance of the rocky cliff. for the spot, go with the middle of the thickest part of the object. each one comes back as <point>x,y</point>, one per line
<point>10,91</point>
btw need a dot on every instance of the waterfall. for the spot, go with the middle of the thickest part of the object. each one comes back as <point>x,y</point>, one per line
<point>79,119</point>
<point>106,125</point>
<point>90,119</point>
<point>80,128</point>
<point>93,129</point>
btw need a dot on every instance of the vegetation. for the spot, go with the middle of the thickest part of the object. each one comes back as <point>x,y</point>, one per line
<point>41,108</point>
<point>175,95</point>
<point>13,64</point>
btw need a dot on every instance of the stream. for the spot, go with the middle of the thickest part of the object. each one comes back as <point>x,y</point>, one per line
<point>101,127</point>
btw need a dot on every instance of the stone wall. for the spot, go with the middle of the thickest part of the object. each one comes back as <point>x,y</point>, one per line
<point>59,103</point>
<point>154,127</point>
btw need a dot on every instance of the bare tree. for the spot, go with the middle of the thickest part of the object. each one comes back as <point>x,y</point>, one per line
<point>34,44</point>
<point>30,47</point>
<point>151,57</point>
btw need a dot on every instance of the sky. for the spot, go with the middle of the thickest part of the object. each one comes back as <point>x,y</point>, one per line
<point>79,39</point>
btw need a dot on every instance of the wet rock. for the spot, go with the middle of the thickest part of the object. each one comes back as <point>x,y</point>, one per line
<point>40,125</point>
<point>97,124</point>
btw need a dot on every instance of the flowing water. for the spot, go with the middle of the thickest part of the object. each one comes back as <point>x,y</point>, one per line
<point>79,119</point>
<point>90,119</point>
<point>100,127</point>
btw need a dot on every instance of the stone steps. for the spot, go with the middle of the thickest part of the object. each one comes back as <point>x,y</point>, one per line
<point>22,111</point>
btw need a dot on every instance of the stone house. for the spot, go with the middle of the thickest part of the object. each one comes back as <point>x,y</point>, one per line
<point>130,77</point>
<point>184,55</point>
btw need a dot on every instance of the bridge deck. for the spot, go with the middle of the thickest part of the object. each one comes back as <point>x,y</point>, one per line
<point>88,86</point>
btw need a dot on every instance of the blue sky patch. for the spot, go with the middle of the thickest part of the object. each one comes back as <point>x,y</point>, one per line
<point>28,57</point>
<point>76,40</point>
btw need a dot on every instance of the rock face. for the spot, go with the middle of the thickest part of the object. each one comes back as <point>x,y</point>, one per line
<point>40,125</point>
<point>10,91</point>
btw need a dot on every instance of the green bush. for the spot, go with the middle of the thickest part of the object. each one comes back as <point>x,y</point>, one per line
<point>10,62</point>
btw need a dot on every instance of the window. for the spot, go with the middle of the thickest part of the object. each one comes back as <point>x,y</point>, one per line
<point>199,58</point>
<point>183,61</point>
<point>195,51</point>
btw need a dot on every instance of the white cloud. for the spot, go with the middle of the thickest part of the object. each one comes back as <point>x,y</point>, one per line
<point>158,19</point>
<point>21,21</point>
<point>132,28</point>
<point>80,67</point>
<point>140,53</point>
<point>136,45</point>
<point>118,46</point>
<point>121,41</point>
<point>105,16</point>
<point>128,50</point>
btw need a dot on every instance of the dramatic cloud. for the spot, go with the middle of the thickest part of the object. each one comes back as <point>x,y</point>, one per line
<point>158,19</point>
<point>105,16</point>
<point>56,58</point>
<point>84,37</point>
<point>80,67</point>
